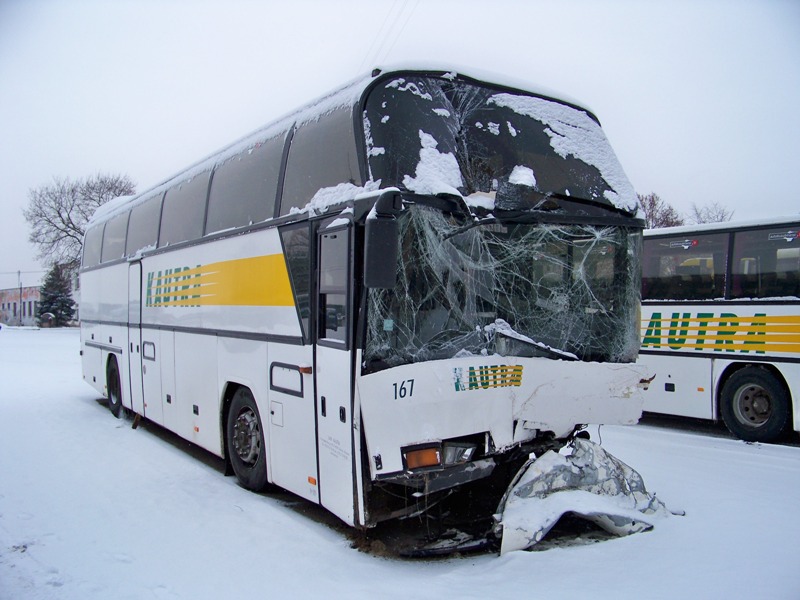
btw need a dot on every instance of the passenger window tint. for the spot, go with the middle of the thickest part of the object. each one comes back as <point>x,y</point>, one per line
<point>184,211</point>
<point>92,246</point>
<point>297,250</point>
<point>684,267</point>
<point>766,263</point>
<point>143,227</point>
<point>243,188</point>
<point>114,238</point>
<point>322,154</point>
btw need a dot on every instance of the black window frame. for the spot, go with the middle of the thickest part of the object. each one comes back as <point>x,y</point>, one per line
<point>685,277</point>
<point>93,236</point>
<point>303,176</point>
<point>172,210</point>
<point>272,154</point>
<point>766,277</point>
<point>137,227</point>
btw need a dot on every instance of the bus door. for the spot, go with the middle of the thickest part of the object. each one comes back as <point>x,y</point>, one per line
<point>334,374</point>
<point>135,336</point>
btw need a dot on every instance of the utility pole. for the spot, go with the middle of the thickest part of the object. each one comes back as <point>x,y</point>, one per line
<point>19,281</point>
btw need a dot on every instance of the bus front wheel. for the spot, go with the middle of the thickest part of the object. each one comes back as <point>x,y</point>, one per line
<point>755,405</point>
<point>114,388</point>
<point>245,441</point>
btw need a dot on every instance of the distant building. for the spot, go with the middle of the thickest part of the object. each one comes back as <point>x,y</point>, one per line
<point>18,306</point>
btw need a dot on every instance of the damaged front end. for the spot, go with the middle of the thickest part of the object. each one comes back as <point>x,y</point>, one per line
<point>589,483</point>
<point>500,309</point>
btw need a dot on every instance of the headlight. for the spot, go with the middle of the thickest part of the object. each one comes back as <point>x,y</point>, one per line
<point>456,453</point>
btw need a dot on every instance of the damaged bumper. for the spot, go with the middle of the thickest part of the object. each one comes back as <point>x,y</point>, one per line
<point>590,483</point>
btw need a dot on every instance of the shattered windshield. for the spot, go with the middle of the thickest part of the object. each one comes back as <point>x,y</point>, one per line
<point>500,150</point>
<point>560,291</point>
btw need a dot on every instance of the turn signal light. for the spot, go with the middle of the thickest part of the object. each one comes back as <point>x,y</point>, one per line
<point>424,457</point>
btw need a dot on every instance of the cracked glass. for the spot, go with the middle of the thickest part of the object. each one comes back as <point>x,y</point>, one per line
<point>567,292</point>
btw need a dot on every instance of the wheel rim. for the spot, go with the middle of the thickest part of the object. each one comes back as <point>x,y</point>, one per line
<point>247,436</point>
<point>752,405</point>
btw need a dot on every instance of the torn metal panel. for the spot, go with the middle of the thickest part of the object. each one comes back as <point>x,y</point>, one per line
<point>590,483</point>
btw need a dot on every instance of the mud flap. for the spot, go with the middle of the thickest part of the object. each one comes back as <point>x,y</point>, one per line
<point>589,483</point>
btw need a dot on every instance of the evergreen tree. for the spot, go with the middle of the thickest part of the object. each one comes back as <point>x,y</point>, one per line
<point>56,296</point>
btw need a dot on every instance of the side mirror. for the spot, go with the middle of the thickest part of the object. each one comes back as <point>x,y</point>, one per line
<point>382,241</point>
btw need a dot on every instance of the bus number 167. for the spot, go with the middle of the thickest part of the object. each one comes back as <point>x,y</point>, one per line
<point>403,389</point>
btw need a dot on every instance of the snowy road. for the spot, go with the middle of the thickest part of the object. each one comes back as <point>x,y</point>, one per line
<point>91,509</point>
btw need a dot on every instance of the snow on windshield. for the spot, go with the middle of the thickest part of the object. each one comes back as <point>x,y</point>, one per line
<point>436,172</point>
<point>440,136</point>
<point>562,292</point>
<point>575,133</point>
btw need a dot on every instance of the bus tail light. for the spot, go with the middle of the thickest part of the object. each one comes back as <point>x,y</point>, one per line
<point>423,457</point>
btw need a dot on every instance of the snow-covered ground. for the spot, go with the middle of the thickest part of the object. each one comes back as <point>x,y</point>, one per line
<point>90,508</point>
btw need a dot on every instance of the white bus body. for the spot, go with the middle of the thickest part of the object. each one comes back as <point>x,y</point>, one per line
<point>721,324</point>
<point>384,331</point>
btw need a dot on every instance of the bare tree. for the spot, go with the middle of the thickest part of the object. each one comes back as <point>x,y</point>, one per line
<point>712,213</point>
<point>57,214</point>
<point>658,213</point>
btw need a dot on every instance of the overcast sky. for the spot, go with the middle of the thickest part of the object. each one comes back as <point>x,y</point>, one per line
<point>699,98</point>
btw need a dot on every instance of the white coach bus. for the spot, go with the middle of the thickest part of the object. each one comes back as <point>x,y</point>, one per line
<point>399,290</point>
<point>721,324</point>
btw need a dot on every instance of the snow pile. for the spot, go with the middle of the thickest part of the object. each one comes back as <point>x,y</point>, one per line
<point>129,502</point>
<point>337,194</point>
<point>590,483</point>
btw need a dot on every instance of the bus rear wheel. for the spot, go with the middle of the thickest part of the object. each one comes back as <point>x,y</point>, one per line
<point>245,441</point>
<point>755,405</point>
<point>114,388</point>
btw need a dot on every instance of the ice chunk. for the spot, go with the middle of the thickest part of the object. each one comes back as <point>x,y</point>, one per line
<point>522,176</point>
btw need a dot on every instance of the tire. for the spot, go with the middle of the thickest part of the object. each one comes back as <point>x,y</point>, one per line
<point>244,439</point>
<point>114,388</point>
<point>755,406</point>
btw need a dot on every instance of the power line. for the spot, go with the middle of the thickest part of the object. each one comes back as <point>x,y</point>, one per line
<point>20,272</point>
<point>401,30</point>
<point>380,34</point>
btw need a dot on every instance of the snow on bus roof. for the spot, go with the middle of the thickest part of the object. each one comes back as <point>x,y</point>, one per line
<point>342,97</point>
<point>723,226</point>
<point>346,95</point>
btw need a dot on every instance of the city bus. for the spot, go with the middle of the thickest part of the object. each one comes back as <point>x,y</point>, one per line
<point>721,324</point>
<point>401,290</point>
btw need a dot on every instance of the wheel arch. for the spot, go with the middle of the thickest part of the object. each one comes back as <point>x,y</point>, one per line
<point>111,359</point>
<point>228,392</point>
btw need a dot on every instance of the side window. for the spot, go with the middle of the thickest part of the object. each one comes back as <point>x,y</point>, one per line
<point>114,238</point>
<point>143,227</point>
<point>684,267</point>
<point>184,211</point>
<point>766,263</point>
<point>333,277</point>
<point>243,188</point>
<point>297,251</point>
<point>92,246</point>
<point>322,154</point>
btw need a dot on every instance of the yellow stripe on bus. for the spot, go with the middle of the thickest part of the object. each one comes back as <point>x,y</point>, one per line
<point>255,281</point>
